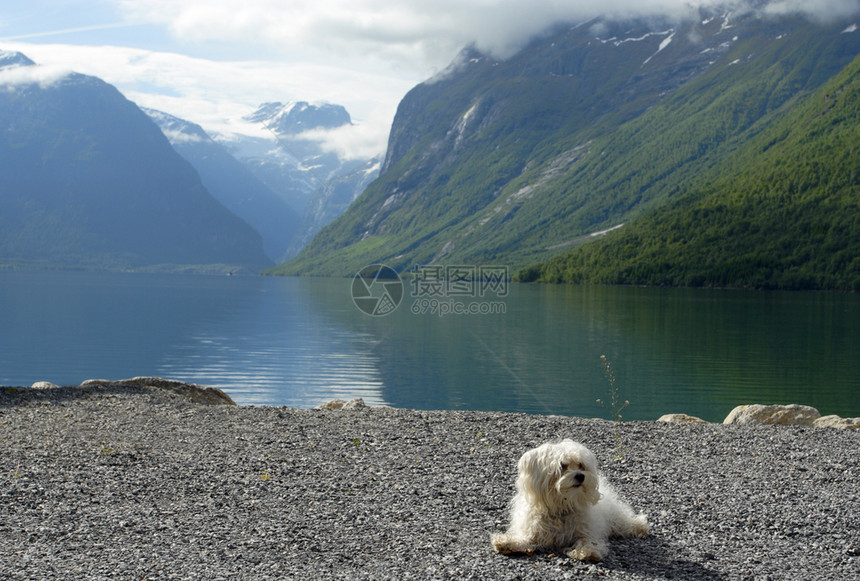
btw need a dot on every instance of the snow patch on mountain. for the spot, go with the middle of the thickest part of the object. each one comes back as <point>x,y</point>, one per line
<point>175,136</point>
<point>616,42</point>
<point>726,24</point>
<point>664,44</point>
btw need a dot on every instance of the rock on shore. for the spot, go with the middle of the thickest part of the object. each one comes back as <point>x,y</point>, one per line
<point>134,481</point>
<point>773,415</point>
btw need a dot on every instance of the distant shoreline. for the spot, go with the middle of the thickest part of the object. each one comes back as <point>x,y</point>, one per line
<point>230,270</point>
<point>783,415</point>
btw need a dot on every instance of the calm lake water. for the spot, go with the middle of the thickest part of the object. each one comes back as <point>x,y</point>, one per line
<point>300,342</point>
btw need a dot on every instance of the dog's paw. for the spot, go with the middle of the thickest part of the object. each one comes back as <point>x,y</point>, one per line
<point>501,544</point>
<point>639,526</point>
<point>586,550</point>
<point>504,545</point>
<point>508,551</point>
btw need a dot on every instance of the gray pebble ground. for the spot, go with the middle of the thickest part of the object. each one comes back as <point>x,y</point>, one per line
<point>141,483</point>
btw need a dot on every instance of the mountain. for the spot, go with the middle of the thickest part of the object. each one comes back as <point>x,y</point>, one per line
<point>781,212</point>
<point>232,183</point>
<point>332,199</point>
<point>515,161</point>
<point>294,118</point>
<point>88,180</point>
<point>11,60</point>
<point>281,153</point>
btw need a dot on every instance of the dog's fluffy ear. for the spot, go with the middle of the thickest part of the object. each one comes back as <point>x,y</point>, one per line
<point>532,479</point>
<point>528,461</point>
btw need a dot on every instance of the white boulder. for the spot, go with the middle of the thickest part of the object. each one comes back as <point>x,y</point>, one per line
<point>773,415</point>
<point>680,419</point>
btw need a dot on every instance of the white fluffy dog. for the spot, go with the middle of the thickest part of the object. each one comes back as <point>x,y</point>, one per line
<point>563,502</point>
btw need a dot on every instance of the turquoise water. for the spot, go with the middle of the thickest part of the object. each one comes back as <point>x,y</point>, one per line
<point>536,348</point>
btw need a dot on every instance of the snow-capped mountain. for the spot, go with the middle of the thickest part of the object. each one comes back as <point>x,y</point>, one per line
<point>299,116</point>
<point>281,144</point>
<point>332,199</point>
<point>10,59</point>
<point>275,175</point>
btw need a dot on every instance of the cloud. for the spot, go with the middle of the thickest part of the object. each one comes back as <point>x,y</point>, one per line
<point>44,76</point>
<point>62,31</point>
<point>362,54</point>
<point>819,9</point>
<point>217,94</point>
<point>176,136</point>
<point>357,141</point>
<point>414,33</point>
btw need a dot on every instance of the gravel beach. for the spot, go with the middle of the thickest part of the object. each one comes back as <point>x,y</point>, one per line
<point>135,482</point>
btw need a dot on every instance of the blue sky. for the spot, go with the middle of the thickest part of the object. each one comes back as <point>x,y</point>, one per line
<point>200,69</point>
<point>213,61</point>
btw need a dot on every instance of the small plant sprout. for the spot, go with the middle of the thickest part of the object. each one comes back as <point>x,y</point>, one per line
<point>615,403</point>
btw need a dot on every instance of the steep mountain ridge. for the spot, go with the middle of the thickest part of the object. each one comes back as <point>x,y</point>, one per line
<point>331,200</point>
<point>513,161</point>
<point>328,183</point>
<point>232,183</point>
<point>88,180</point>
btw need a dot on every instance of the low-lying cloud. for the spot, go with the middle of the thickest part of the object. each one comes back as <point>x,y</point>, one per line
<point>820,9</point>
<point>218,94</point>
<point>357,141</point>
<point>363,54</point>
<point>426,32</point>
<point>43,76</point>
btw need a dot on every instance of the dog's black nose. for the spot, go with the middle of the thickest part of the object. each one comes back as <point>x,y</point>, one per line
<point>580,477</point>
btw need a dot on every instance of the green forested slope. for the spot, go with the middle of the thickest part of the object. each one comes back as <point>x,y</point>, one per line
<point>783,211</point>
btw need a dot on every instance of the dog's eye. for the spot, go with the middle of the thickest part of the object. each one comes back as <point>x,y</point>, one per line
<point>581,466</point>
<point>564,466</point>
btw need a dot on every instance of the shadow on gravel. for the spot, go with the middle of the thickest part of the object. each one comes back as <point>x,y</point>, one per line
<point>650,558</point>
<point>654,557</point>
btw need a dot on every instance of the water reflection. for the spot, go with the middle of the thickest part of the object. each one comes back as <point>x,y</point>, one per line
<point>301,342</point>
<point>673,350</point>
<point>264,341</point>
<point>281,347</point>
